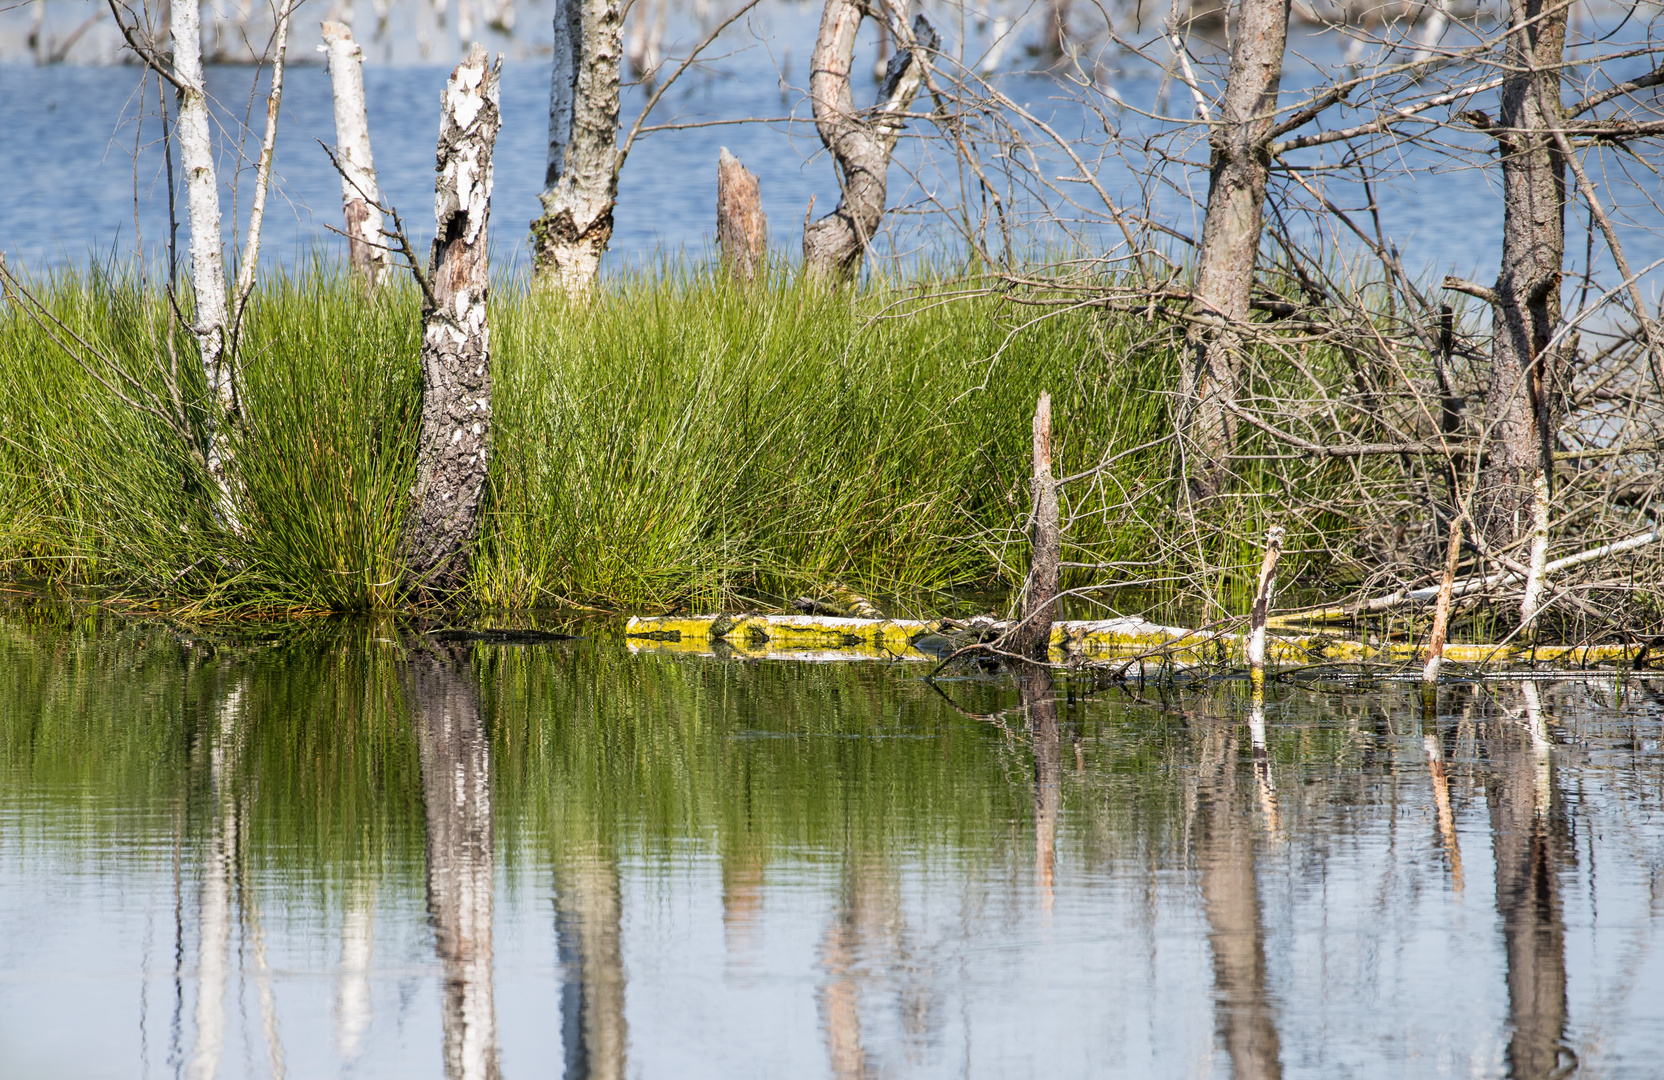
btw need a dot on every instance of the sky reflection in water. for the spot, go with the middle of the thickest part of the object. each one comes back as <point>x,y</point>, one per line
<point>334,854</point>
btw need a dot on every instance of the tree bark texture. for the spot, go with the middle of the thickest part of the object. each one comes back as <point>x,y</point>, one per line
<point>359,194</point>
<point>741,225</point>
<point>580,186</point>
<point>454,444</point>
<point>1531,838</point>
<point>860,142</point>
<point>1032,637</point>
<point>1226,256</point>
<point>1524,399</point>
<point>456,794</point>
<point>202,199</point>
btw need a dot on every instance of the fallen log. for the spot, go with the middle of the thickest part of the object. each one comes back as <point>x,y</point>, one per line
<point>818,637</point>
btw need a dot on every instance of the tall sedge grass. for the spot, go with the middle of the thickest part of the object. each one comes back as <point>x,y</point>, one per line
<point>675,440</point>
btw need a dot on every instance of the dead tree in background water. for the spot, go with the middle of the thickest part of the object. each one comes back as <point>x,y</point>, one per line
<point>1226,258</point>
<point>1525,399</point>
<point>860,142</point>
<point>360,196</point>
<point>580,185</point>
<point>454,445</point>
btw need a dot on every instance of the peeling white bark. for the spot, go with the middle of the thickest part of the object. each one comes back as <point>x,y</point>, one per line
<point>580,185</point>
<point>202,197</point>
<point>359,193</point>
<point>455,440</point>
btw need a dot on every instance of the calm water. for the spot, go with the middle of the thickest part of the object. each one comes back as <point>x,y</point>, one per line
<point>332,853</point>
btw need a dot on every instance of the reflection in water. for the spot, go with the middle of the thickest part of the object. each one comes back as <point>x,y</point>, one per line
<point>866,924</point>
<point>1433,746</point>
<point>456,792</point>
<point>1225,855</point>
<point>884,863</point>
<point>352,995</point>
<point>588,932</point>
<point>219,868</point>
<point>1532,844</point>
<point>1041,707</point>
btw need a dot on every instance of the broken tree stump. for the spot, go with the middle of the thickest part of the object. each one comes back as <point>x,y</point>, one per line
<point>741,225</point>
<point>1034,630</point>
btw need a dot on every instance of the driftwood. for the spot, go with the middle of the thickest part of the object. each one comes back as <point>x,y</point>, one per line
<point>454,444</point>
<point>1441,613</point>
<point>741,225</point>
<point>1262,606</point>
<point>1467,586</point>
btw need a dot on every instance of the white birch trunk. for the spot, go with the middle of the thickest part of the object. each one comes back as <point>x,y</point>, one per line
<point>359,193</point>
<point>202,195</point>
<point>454,444</point>
<point>581,181</point>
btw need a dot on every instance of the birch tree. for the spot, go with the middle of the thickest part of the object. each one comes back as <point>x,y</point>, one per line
<point>214,321</point>
<point>202,199</point>
<point>454,444</point>
<point>860,143</point>
<point>580,184</point>
<point>360,197</point>
<point>1241,159</point>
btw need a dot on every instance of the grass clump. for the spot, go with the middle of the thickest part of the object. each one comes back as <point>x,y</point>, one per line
<point>675,440</point>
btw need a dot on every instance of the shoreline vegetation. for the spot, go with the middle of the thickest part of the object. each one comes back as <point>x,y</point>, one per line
<point>677,442</point>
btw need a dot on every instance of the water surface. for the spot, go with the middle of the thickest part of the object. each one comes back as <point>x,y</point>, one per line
<point>335,850</point>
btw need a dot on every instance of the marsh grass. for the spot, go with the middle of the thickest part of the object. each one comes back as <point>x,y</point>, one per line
<point>674,441</point>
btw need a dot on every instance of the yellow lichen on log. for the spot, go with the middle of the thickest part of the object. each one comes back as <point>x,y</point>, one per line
<point>830,637</point>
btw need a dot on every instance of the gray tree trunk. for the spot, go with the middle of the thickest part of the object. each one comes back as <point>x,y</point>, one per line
<point>741,225</point>
<point>454,445</point>
<point>456,794</point>
<point>1230,243</point>
<point>366,248</point>
<point>580,186</point>
<point>860,143</point>
<point>1032,638</point>
<point>1523,402</point>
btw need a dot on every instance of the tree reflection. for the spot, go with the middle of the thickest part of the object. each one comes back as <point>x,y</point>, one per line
<point>456,792</point>
<point>1040,704</point>
<point>1532,846</point>
<point>1225,855</point>
<point>589,937</point>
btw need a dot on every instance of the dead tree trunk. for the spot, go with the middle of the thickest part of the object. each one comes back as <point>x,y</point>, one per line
<point>741,225</point>
<point>1523,402</point>
<point>360,196</point>
<point>580,185</point>
<point>202,196</point>
<point>860,143</point>
<point>455,441</point>
<point>1032,637</point>
<point>1230,243</point>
